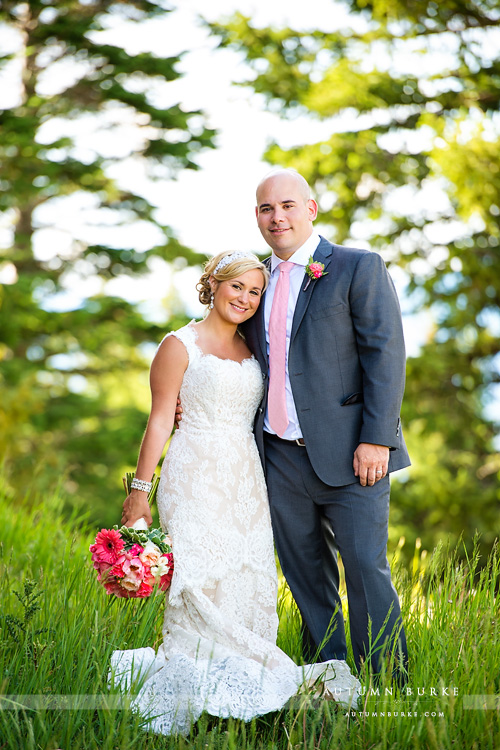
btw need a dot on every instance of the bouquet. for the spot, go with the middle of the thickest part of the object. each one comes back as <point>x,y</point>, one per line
<point>131,561</point>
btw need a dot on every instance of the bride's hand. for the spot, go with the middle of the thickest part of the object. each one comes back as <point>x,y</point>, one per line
<point>136,506</point>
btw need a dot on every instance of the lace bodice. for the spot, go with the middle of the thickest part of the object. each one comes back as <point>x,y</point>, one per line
<point>217,393</point>
<point>212,496</point>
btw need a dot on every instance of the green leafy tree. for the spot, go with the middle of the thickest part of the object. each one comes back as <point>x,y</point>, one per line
<point>75,107</point>
<point>408,96</point>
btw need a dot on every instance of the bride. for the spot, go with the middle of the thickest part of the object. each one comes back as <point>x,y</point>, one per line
<point>219,650</point>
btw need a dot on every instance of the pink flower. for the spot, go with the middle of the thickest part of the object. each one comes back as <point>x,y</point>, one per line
<point>107,547</point>
<point>117,569</point>
<point>148,576</point>
<point>167,577</point>
<point>317,269</point>
<point>135,550</point>
<point>133,567</point>
<point>145,590</point>
<point>105,576</point>
<point>150,554</point>
<point>131,582</point>
<point>114,588</point>
<point>165,581</point>
<point>101,567</point>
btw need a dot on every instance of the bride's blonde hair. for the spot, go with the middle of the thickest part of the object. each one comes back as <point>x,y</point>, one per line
<point>225,271</point>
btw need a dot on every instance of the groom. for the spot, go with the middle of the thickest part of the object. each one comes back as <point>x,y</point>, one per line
<point>329,341</point>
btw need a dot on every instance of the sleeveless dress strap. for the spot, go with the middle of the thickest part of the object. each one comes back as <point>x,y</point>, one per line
<point>188,336</point>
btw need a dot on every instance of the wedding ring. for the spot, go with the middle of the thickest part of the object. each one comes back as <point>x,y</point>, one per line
<point>378,473</point>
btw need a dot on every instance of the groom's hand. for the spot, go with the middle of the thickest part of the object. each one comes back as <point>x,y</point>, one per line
<point>178,413</point>
<point>370,463</point>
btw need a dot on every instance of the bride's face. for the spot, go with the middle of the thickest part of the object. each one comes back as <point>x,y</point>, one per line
<point>237,300</point>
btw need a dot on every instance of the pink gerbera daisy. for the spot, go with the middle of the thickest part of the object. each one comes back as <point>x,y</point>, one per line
<point>108,546</point>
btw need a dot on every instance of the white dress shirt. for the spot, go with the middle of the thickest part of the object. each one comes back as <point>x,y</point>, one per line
<point>301,258</point>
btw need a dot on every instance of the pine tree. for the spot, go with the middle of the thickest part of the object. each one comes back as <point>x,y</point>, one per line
<point>78,106</point>
<point>412,93</point>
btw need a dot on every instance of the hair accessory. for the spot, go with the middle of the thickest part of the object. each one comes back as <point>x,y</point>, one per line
<point>227,259</point>
<point>141,484</point>
<point>211,305</point>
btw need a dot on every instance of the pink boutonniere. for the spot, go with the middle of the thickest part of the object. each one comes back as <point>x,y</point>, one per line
<point>315,270</point>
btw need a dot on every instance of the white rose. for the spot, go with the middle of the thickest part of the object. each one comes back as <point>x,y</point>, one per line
<point>161,569</point>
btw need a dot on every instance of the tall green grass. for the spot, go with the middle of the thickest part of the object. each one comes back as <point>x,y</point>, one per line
<point>60,645</point>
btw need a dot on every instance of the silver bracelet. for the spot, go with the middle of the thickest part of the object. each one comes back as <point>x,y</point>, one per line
<point>140,484</point>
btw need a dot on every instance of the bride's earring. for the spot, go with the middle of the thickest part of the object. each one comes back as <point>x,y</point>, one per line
<point>211,305</point>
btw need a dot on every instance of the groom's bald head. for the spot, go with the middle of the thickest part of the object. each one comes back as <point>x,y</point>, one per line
<point>302,184</point>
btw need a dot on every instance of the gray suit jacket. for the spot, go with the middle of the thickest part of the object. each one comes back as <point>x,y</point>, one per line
<point>346,362</point>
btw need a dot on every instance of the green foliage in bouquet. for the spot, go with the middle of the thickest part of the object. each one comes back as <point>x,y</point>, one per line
<point>141,536</point>
<point>155,481</point>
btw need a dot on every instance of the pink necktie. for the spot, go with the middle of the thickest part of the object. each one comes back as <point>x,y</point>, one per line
<point>278,417</point>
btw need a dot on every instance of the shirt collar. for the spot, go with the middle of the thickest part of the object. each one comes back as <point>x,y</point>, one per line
<point>301,256</point>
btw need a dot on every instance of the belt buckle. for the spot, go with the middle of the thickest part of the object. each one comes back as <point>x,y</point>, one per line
<point>300,441</point>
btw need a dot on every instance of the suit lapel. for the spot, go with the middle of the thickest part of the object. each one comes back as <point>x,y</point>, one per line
<point>323,254</point>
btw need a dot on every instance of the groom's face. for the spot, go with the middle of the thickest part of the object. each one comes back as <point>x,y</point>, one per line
<point>284,214</point>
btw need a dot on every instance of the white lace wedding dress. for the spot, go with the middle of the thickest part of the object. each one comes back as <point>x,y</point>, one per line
<point>219,650</point>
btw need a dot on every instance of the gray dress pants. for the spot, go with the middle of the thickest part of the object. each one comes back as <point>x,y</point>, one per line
<point>312,522</point>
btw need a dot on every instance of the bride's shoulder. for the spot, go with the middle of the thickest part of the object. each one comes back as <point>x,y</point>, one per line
<point>181,340</point>
<point>170,346</point>
<point>171,357</point>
